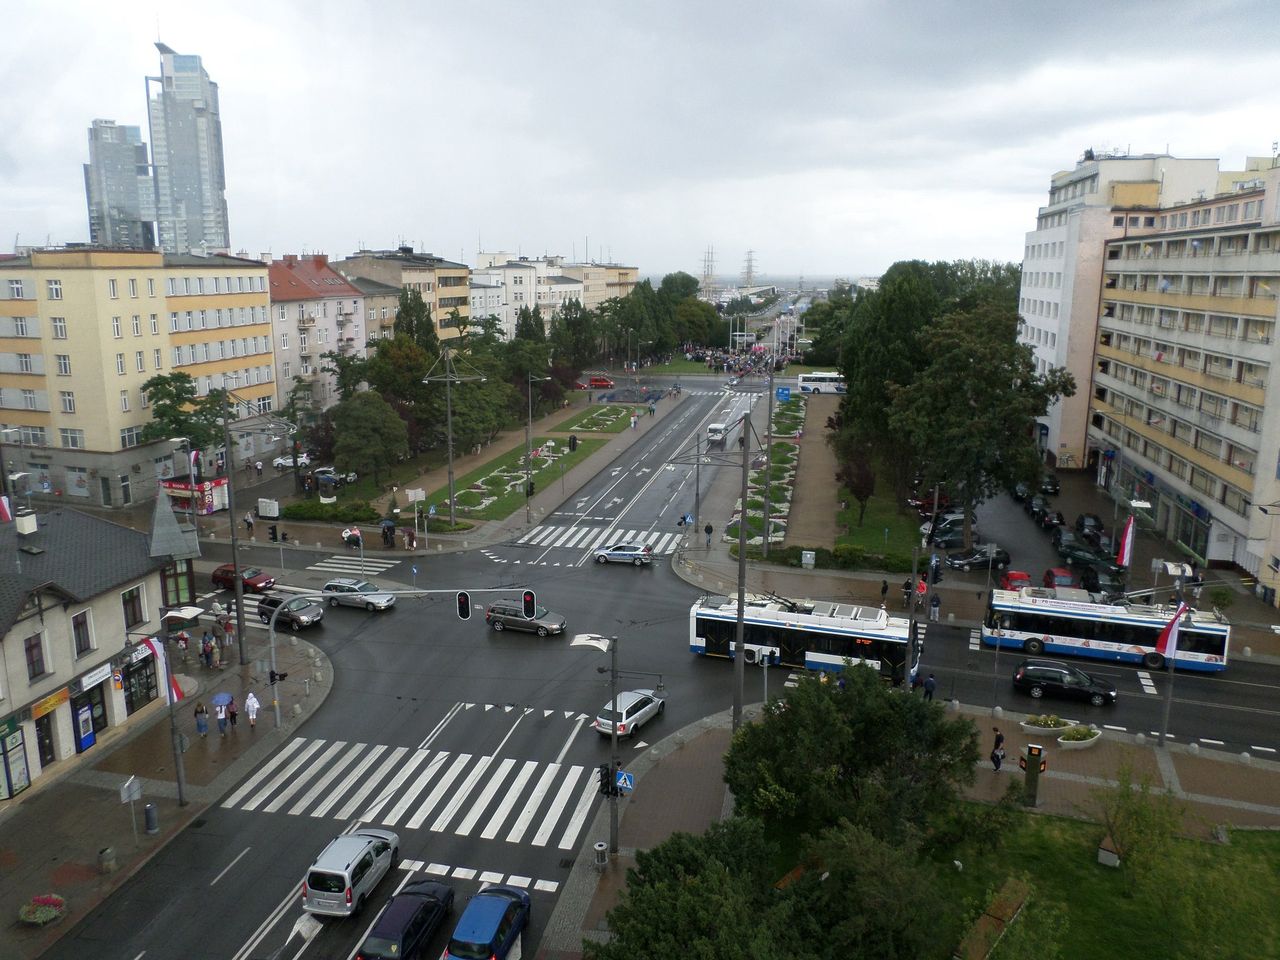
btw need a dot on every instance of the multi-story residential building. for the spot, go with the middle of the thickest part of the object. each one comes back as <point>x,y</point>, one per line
<point>381,303</point>
<point>82,329</point>
<point>444,285</point>
<point>509,283</point>
<point>1185,405</point>
<point>315,311</point>
<point>601,281</point>
<point>119,188</point>
<point>488,299</point>
<point>75,619</point>
<point>186,152</point>
<point>1061,271</point>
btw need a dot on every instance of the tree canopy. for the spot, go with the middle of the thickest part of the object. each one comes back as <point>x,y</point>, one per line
<point>368,435</point>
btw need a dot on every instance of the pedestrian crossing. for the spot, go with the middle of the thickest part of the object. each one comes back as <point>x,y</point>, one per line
<point>350,565</point>
<point>533,802</point>
<point>586,539</point>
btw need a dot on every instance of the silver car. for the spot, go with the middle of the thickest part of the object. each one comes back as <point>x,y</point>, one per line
<point>635,707</point>
<point>350,592</point>
<point>344,875</point>
<point>633,553</point>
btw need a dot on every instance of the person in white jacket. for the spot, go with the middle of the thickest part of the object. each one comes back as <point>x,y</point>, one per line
<point>251,707</point>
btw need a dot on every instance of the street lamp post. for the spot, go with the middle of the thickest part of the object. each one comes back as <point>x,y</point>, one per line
<point>175,738</point>
<point>739,645</point>
<point>768,467</point>
<point>4,467</point>
<point>191,478</point>
<point>528,452</point>
<point>448,378</point>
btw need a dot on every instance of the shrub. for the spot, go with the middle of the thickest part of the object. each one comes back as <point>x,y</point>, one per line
<point>1079,733</point>
<point>1049,721</point>
<point>350,511</point>
<point>41,909</point>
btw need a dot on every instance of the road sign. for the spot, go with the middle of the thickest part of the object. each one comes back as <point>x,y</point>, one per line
<point>431,510</point>
<point>783,394</point>
<point>414,568</point>
<point>131,790</point>
<point>624,781</point>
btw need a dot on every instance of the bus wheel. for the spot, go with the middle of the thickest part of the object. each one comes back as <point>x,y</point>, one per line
<point>1153,661</point>
<point>1034,647</point>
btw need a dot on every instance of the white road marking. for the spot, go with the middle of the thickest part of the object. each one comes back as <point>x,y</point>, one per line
<point>227,867</point>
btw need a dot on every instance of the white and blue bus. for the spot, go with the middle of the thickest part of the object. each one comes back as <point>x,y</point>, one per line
<point>816,636</point>
<point>820,383</point>
<point>1035,621</point>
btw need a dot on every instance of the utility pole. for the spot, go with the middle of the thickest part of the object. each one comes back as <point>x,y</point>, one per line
<point>614,763</point>
<point>448,378</point>
<point>739,645</point>
<point>768,467</point>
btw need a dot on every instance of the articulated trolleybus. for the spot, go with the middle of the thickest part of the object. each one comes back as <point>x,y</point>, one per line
<point>817,636</point>
<point>1037,621</point>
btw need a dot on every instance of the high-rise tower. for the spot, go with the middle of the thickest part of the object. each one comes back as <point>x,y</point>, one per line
<point>118,187</point>
<point>186,153</point>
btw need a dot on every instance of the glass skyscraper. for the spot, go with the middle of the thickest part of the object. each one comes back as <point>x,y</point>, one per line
<point>118,187</point>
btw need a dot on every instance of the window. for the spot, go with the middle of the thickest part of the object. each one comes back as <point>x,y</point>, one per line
<point>72,439</point>
<point>186,285</point>
<point>55,289</point>
<point>124,401</point>
<point>143,400</point>
<point>284,341</point>
<point>156,360</point>
<point>285,368</point>
<point>155,323</point>
<point>115,327</point>
<point>32,436</point>
<point>120,364</point>
<point>172,286</point>
<point>140,362</point>
<point>15,290</point>
<point>20,328</point>
<point>59,327</point>
<point>113,291</point>
<point>81,631</point>
<point>151,287</point>
<point>130,437</point>
<point>68,401</point>
<point>137,325</point>
<point>131,600</point>
<point>29,399</point>
<point>25,364</point>
<point>133,288</point>
<point>33,647</point>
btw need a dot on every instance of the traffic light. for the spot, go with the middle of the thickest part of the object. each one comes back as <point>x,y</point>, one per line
<point>464,605</point>
<point>273,533</point>
<point>275,678</point>
<point>606,782</point>
<point>529,604</point>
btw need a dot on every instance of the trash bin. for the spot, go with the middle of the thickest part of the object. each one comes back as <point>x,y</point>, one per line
<point>151,818</point>
<point>107,860</point>
<point>602,853</point>
<point>807,559</point>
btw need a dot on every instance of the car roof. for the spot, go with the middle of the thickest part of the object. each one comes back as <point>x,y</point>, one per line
<point>1055,664</point>
<point>345,581</point>
<point>627,698</point>
<point>484,912</point>
<point>625,546</point>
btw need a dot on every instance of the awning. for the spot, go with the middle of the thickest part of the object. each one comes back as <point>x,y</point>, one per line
<point>182,614</point>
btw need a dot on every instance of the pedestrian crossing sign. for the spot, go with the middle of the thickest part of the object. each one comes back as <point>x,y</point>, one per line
<point>625,781</point>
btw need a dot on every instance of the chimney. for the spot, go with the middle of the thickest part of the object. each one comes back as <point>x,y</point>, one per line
<point>25,523</point>
<point>321,259</point>
<point>290,260</point>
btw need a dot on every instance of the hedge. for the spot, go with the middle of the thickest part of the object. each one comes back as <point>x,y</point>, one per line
<point>843,557</point>
<point>342,512</point>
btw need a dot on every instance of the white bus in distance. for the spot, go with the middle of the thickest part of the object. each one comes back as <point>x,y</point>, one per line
<point>820,382</point>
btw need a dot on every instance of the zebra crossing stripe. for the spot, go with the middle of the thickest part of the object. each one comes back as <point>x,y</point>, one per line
<point>460,795</point>
<point>355,775</point>
<point>482,801</point>
<point>580,812</point>
<point>537,535</point>
<point>495,822</point>
<point>438,791</point>
<point>298,784</point>
<point>310,796</point>
<point>262,774</point>
<point>411,794</point>
<point>577,535</point>
<point>553,813</point>
<point>975,640</point>
<point>390,790</point>
<point>526,815</point>
<point>288,771</point>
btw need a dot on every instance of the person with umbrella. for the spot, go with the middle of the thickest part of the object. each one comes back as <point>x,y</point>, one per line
<point>220,701</point>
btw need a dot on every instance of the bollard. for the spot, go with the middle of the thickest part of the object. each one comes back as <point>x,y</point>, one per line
<point>319,676</point>
<point>151,818</point>
<point>306,687</point>
<point>107,860</point>
<point>602,854</point>
<point>297,709</point>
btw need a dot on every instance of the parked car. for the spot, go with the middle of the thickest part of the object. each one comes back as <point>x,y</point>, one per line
<point>509,615</point>
<point>1078,554</point>
<point>255,579</point>
<point>1049,485</point>
<point>297,612</point>
<point>979,556</point>
<point>286,462</point>
<point>1053,678</point>
<point>1021,491</point>
<point>1102,578</point>
<point>1038,507</point>
<point>635,708</point>
<point>407,923</point>
<point>952,539</point>
<point>351,592</point>
<point>600,383</point>
<point>492,924</point>
<point>945,521</point>
<point>1051,519</point>
<point>579,385</point>
<point>1015,580</point>
<point>1063,536</point>
<point>637,554</point>
<point>1059,577</point>
<point>1099,540</point>
<point>1088,522</point>
<point>332,476</point>
<point>347,870</point>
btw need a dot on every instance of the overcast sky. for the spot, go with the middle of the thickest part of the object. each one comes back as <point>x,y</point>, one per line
<point>832,138</point>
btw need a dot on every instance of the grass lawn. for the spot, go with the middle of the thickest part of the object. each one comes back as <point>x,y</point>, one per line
<point>882,512</point>
<point>599,418</point>
<point>676,367</point>
<point>508,503</point>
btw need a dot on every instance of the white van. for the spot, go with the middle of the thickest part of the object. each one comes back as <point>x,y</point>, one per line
<point>716,433</point>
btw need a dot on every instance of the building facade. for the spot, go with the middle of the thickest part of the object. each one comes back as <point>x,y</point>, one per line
<point>381,303</point>
<point>444,285</point>
<point>1061,272</point>
<point>503,284</point>
<point>186,154</point>
<point>1185,406</point>
<point>601,281</point>
<point>119,188</point>
<point>82,329</point>
<point>315,311</point>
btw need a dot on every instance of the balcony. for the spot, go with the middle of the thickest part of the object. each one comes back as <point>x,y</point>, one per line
<point>347,345</point>
<point>344,319</point>
<point>305,322</point>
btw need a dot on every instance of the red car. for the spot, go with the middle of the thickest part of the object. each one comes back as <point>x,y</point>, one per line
<point>255,579</point>
<point>1015,580</point>
<point>601,383</point>
<point>1060,577</point>
<point>579,385</point>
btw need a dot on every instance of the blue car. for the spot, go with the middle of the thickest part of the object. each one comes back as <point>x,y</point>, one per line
<point>491,926</point>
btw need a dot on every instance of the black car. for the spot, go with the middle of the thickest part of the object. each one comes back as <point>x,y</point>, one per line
<point>1102,578</point>
<point>1063,537</point>
<point>408,922</point>
<point>1099,540</point>
<point>975,558</point>
<point>1053,678</point>
<point>1051,519</point>
<point>1037,507</point>
<point>1021,491</point>
<point>1049,485</point>
<point>1088,523</point>
<point>951,539</point>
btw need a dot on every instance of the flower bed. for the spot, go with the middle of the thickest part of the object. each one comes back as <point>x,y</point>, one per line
<point>1045,722</point>
<point>1079,737</point>
<point>42,909</point>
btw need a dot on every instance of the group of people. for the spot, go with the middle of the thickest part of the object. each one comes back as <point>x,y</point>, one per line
<point>226,714</point>
<point>921,593</point>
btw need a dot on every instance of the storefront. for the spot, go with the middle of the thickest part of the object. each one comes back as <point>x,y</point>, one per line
<point>43,713</point>
<point>90,700</point>
<point>139,678</point>
<point>14,774</point>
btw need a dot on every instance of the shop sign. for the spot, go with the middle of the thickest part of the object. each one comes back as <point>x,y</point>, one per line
<point>94,677</point>
<point>50,703</point>
<point>140,652</point>
<point>7,726</point>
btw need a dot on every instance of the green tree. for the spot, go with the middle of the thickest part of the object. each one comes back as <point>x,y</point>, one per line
<point>349,372</point>
<point>575,336</point>
<point>178,410</point>
<point>413,320</point>
<point>1141,822</point>
<point>370,436</point>
<point>695,321</point>
<point>882,760</point>
<point>970,412</point>
<point>529,325</point>
<point>678,287</point>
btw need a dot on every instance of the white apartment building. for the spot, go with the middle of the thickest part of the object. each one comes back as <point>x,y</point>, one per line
<point>513,282</point>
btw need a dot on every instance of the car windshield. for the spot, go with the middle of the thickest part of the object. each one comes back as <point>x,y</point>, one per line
<point>380,948</point>
<point>250,572</point>
<point>464,950</point>
<point>365,587</point>
<point>609,715</point>
<point>326,882</point>
<point>542,613</point>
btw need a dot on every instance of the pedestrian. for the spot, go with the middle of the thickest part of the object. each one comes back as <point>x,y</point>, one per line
<point>652,408</point>
<point>633,421</point>
<point>228,638</point>
<point>215,656</point>
<point>251,707</point>
<point>906,593</point>
<point>997,751</point>
<point>884,592</point>
<point>248,522</point>
<point>922,592</point>
<point>258,466</point>
<point>930,685</point>
<point>220,712</point>
<point>202,720</point>
<point>935,604</point>
<point>708,531</point>
<point>232,712</point>
<point>206,650</point>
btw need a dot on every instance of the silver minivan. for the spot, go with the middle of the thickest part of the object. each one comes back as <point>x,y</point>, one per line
<point>347,870</point>
<point>716,434</point>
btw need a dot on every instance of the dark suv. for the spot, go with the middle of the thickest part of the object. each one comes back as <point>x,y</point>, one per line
<point>1053,678</point>
<point>509,615</point>
<point>408,922</point>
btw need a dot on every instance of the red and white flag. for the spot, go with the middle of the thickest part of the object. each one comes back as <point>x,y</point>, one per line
<point>1167,645</point>
<point>174,692</point>
<point>6,514</point>
<point>1124,556</point>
